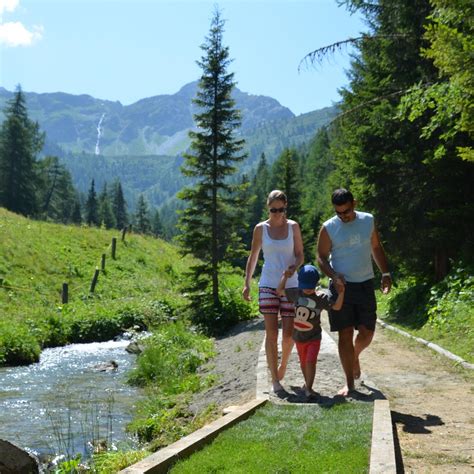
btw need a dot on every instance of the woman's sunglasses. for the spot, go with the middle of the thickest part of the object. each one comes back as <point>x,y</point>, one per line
<point>273,210</point>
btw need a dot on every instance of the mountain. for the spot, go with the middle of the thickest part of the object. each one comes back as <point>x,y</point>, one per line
<point>156,125</point>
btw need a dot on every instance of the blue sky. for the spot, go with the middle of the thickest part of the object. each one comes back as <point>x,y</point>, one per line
<point>127,50</point>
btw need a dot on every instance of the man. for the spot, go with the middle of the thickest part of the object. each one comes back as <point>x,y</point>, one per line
<point>346,244</point>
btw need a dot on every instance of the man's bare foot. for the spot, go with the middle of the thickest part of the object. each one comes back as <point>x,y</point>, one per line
<point>356,369</point>
<point>277,386</point>
<point>345,391</point>
<point>281,372</point>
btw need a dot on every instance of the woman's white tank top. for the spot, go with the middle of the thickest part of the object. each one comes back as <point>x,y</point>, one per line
<point>278,255</point>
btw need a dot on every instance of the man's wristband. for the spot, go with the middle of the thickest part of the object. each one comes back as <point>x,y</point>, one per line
<point>386,274</point>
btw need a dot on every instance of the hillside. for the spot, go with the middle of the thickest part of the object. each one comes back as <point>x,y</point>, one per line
<point>138,288</point>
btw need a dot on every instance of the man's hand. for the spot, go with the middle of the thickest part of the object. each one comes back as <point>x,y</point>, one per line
<point>339,282</point>
<point>386,284</point>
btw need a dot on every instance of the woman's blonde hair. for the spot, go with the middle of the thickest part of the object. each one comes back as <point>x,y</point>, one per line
<point>275,195</point>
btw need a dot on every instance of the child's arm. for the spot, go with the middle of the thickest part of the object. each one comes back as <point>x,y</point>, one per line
<point>340,299</point>
<point>281,286</point>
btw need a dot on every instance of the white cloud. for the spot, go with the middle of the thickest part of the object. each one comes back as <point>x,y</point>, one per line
<point>15,34</point>
<point>8,5</point>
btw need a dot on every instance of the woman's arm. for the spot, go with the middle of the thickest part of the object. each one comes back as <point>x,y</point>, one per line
<point>252,260</point>
<point>298,250</point>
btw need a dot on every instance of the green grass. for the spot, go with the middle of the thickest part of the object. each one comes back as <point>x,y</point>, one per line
<point>290,439</point>
<point>442,313</point>
<point>141,287</point>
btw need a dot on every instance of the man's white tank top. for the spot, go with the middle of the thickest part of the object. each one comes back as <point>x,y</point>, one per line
<point>278,255</point>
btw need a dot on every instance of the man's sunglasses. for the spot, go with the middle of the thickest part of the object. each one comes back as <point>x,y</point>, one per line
<point>273,210</point>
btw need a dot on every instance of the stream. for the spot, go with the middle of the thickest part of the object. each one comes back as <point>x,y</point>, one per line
<point>64,402</point>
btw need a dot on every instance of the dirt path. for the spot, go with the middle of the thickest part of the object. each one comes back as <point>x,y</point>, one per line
<point>432,403</point>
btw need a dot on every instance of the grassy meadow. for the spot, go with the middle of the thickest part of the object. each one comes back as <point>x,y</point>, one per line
<point>141,287</point>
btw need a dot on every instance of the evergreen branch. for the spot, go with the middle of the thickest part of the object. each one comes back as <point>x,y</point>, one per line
<point>317,56</point>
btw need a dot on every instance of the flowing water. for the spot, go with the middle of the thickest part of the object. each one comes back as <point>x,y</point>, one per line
<point>64,402</point>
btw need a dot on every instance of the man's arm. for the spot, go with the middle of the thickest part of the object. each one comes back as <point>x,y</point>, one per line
<point>324,250</point>
<point>378,254</point>
<point>339,300</point>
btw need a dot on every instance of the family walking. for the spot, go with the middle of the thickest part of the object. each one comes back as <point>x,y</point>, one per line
<point>347,243</point>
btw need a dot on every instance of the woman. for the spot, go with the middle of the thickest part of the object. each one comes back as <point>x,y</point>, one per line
<point>282,245</point>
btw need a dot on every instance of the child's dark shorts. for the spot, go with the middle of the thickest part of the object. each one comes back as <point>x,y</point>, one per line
<point>359,307</point>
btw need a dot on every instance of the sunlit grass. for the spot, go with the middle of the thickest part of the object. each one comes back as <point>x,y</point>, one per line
<point>291,439</point>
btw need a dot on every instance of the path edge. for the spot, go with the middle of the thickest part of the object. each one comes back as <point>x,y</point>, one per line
<point>382,451</point>
<point>460,361</point>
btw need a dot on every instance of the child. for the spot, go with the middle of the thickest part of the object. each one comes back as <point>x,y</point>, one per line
<point>307,323</point>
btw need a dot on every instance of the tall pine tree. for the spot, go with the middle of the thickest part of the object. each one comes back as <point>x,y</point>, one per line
<point>20,142</point>
<point>142,218</point>
<point>208,223</point>
<point>92,207</point>
<point>119,206</point>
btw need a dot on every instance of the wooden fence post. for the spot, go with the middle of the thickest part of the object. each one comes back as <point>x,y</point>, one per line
<point>124,231</point>
<point>102,263</point>
<point>94,279</point>
<point>114,246</point>
<point>65,294</point>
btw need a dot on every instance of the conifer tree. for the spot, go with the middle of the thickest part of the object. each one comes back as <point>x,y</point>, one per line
<point>285,177</point>
<point>142,219</point>
<point>56,192</point>
<point>92,207</point>
<point>156,225</point>
<point>20,142</point>
<point>208,223</point>
<point>260,187</point>
<point>106,215</point>
<point>119,206</point>
<point>76,217</point>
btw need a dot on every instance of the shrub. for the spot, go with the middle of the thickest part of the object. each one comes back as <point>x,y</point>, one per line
<point>17,345</point>
<point>171,357</point>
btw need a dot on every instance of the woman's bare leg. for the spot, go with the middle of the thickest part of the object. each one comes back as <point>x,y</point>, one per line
<point>287,344</point>
<point>271,348</point>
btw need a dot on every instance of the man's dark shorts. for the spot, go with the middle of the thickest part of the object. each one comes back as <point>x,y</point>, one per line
<point>359,307</point>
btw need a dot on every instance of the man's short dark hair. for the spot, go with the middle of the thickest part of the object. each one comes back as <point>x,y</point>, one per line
<point>341,196</point>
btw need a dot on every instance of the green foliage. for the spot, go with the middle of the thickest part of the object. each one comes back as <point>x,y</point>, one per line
<point>442,313</point>
<point>113,461</point>
<point>215,321</point>
<point>17,345</point>
<point>449,100</point>
<point>171,357</point>
<point>309,439</point>
<point>70,466</point>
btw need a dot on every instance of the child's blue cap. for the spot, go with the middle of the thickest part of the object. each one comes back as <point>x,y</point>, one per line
<point>308,277</point>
